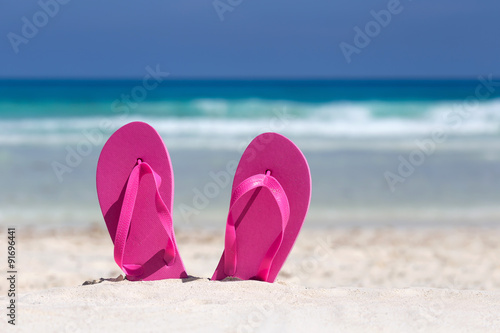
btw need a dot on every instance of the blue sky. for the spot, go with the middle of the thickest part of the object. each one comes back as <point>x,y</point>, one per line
<point>278,38</point>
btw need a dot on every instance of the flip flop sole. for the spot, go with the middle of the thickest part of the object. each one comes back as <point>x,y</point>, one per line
<point>147,238</point>
<point>261,224</point>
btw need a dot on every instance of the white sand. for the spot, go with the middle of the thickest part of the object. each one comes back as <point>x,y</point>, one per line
<point>387,280</point>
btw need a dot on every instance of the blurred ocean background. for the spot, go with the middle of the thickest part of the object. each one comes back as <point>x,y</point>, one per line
<point>353,133</point>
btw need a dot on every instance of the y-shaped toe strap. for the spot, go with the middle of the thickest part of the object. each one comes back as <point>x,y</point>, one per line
<point>123,228</point>
<point>279,195</point>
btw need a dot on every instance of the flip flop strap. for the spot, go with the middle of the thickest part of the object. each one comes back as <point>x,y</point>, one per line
<point>123,228</point>
<point>251,183</point>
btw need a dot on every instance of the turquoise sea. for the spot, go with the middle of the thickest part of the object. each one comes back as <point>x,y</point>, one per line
<point>381,152</point>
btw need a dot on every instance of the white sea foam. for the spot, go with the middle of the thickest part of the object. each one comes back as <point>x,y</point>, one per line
<point>224,124</point>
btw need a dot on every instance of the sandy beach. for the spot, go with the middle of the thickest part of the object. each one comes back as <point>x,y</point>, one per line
<point>373,128</point>
<point>349,280</point>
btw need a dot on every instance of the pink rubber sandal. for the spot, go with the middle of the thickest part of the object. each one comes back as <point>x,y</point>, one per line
<point>135,187</point>
<point>269,202</point>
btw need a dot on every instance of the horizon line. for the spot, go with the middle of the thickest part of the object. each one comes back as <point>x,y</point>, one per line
<point>248,78</point>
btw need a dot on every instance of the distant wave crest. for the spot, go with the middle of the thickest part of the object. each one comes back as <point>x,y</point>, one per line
<point>224,123</point>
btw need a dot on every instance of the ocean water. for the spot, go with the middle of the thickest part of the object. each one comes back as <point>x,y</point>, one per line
<point>387,152</point>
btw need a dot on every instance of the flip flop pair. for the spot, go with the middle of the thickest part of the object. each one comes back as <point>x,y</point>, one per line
<point>269,201</point>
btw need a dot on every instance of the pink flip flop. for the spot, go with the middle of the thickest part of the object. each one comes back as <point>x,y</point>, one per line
<point>135,187</point>
<point>269,202</point>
